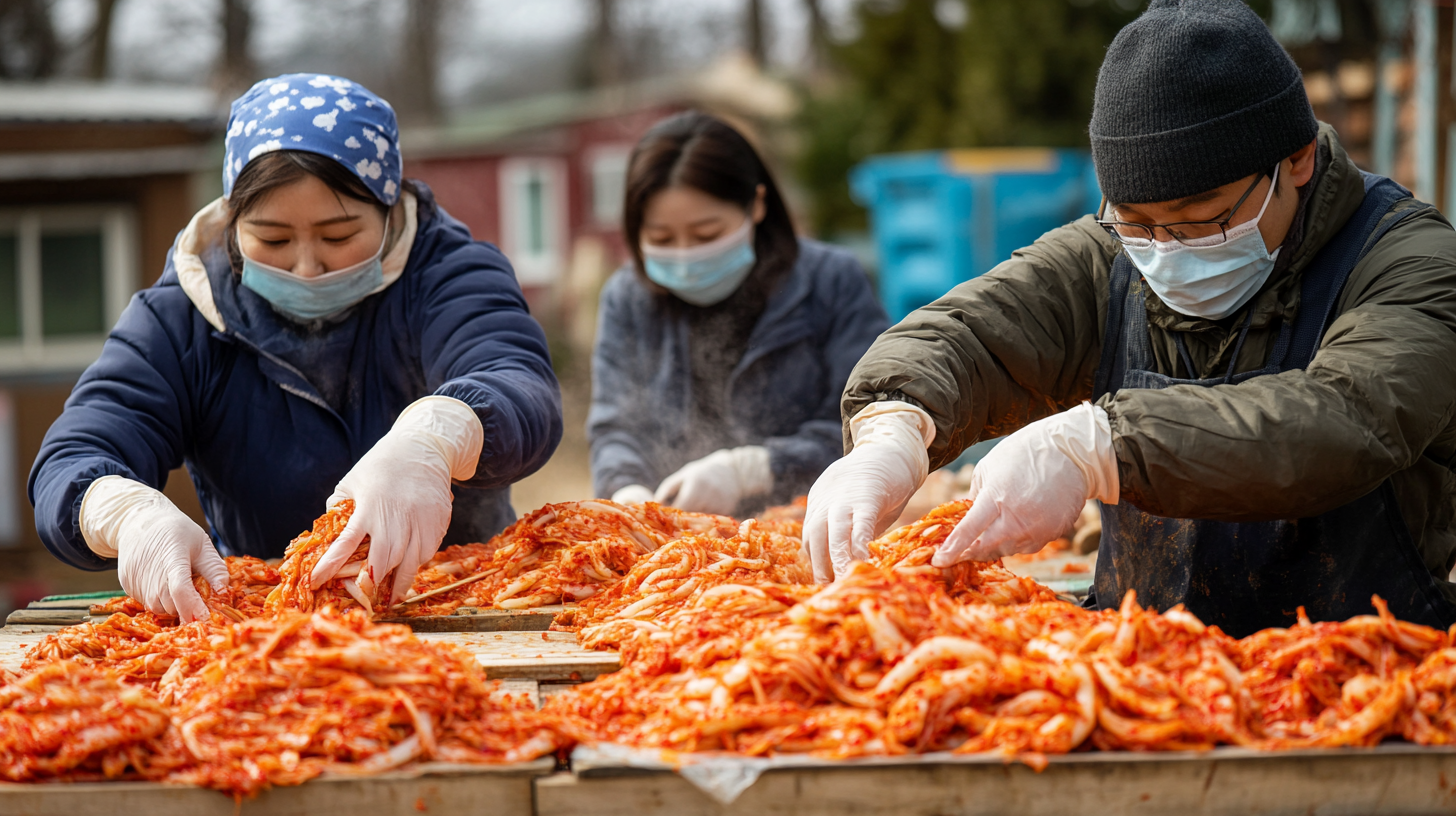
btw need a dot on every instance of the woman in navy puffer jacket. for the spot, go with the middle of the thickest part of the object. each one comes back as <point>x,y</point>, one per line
<point>324,332</point>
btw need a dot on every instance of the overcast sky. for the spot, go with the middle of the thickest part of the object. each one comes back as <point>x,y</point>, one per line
<point>487,41</point>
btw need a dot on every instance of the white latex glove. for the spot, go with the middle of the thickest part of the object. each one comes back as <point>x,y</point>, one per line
<point>861,495</point>
<point>719,481</point>
<point>156,546</point>
<point>401,492</point>
<point>1031,487</point>
<point>633,494</point>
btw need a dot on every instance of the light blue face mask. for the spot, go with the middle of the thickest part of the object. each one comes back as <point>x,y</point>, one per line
<point>305,299</point>
<point>1210,282</point>
<point>706,274</point>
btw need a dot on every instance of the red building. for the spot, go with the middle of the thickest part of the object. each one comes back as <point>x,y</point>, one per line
<point>543,177</point>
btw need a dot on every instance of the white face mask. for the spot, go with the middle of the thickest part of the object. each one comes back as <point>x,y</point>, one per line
<point>705,274</point>
<point>1206,281</point>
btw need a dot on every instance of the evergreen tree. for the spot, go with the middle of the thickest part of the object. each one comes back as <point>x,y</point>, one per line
<point>1013,72</point>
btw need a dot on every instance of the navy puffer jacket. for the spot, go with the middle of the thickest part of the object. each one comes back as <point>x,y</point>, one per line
<point>201,371</point>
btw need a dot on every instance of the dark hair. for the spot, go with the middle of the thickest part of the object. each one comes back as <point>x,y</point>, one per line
<point>693,149</point>
<point>279,168</point>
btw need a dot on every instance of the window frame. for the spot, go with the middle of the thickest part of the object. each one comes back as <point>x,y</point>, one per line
<point>534,268</point>
<point>32,352</point>
<point>616,156</point>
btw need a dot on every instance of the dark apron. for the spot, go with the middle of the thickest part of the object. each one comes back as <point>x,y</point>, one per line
<point>1247,576</point>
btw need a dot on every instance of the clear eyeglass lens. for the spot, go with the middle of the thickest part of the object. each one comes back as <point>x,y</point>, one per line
<point>1202,234</point>
<point>1132,234</point>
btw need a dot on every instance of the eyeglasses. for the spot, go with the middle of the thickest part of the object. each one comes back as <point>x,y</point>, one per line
<point>1188,233</point>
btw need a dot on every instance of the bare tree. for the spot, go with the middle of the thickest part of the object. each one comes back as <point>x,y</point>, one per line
<point>101,38</point>
<point>757,32</point>
<point>818,35</point>
<point>604,49</point>
<point>29,48</point>
<point>236,69</point>
<point>419,99</point>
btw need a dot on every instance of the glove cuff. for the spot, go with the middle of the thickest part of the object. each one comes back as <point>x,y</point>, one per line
<point>752,467</point>
<point>899,427</point>
<point>633,494</point>
<point>880,414</point>
<point>105,507</point>
<point>1085,436</point>
<point>450,427</point>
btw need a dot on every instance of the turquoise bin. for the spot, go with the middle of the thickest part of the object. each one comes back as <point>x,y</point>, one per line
<point>941,218</point>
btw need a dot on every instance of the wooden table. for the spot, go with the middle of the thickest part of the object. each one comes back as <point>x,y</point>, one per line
<point>1394,779</point>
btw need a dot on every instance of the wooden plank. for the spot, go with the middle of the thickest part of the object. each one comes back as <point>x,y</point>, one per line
<point>549,690</point>
<point>68,603</point>
<point>1391,780</point>
<point>467,619</point>
<point>471,619</point>
<point>444,789</point>
<point>534,655</point>
<point>530,688</point>
<point>15,641</point>
<point>47,617</point>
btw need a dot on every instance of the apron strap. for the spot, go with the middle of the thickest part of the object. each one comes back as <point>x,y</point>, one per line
<point>1325,277</point>
<point>1110,369</point>
<point>1184,356</point>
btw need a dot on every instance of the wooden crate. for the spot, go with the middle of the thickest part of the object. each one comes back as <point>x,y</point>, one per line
<point>1391,780</point>
<point>549,656</point>
<point>445,789</point>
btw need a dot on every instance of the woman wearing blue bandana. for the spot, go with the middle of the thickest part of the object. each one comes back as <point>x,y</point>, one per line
<point>722,351</point>
<point>323,332</point>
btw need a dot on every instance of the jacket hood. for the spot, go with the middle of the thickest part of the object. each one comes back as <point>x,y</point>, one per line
<point>202,240</point>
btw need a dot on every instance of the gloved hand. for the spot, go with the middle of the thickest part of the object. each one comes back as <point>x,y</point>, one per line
<point>633,494</point>
<point>719,481</point>
<point>156,546</point>
<point>861,495</point>
<point>401,492</point>
<point>1031,487</point>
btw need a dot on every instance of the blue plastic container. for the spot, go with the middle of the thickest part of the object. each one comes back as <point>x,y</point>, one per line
<point>942,218</point>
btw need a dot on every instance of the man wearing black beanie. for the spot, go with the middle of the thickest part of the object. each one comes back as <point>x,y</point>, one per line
<point>1248,357</point>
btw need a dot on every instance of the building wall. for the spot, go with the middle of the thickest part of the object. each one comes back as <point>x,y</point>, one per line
<point>467,187</point>
<point>162,206</point>
<point>48,137</point>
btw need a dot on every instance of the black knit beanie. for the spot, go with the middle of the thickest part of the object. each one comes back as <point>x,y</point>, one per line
<point>1193,95</point>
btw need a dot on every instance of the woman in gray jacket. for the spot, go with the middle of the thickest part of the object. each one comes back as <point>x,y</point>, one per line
<point>722,350</point>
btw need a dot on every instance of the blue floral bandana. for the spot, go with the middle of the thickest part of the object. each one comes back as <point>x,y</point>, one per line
<point>316,113</point>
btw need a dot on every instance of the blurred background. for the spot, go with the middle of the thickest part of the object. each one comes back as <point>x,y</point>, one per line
<point>932,137</point>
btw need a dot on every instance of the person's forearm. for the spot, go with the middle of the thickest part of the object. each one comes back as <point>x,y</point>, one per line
<point>797,459</point>
<point>57,490</point>
<point>616,463</point>
<point>1014,345</point>
<point>520,414</point>
<point>1293,445</point>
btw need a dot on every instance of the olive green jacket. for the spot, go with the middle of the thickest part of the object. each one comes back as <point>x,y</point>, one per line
<point>1377,402</point>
